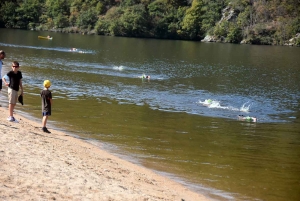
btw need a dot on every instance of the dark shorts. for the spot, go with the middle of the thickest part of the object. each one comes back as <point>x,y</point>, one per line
<point>0,84</point>
<point>46,113</point>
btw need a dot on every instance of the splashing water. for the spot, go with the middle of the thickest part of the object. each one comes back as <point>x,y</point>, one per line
<point>216,104</point>
<point>120,68</point>
<point>245,108</point>
<point>212,104</point>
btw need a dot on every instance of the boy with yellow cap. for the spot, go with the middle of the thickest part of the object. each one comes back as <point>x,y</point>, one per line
<point>46,96</point>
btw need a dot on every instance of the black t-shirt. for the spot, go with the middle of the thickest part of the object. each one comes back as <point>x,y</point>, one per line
<point>46,96</point>
<point>14,80</point>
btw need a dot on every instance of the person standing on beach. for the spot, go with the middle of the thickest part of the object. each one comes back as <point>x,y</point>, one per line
<point>15,83</point>
<point>46,104</point>
<point>2,56</point>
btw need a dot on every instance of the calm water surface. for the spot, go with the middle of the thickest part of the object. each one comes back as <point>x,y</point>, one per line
<point>163,123</point>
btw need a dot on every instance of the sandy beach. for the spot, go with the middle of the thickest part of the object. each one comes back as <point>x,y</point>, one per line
<point>40,166</point>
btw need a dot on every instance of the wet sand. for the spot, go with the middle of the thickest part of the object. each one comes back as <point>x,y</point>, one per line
<point>38,166</point>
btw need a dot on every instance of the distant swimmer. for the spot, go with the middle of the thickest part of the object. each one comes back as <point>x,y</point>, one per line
<point>247,118</point>
<point>208,102</point>
<point>145,76</point>
<point>73,49</point>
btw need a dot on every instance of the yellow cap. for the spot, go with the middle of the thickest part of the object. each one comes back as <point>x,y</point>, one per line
<point>47,83</point>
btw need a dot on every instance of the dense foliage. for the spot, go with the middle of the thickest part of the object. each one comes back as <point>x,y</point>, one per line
<point>251,21</point>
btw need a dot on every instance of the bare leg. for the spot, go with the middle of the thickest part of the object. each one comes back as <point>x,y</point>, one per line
<point>44,121</point>
<point>11,109</point>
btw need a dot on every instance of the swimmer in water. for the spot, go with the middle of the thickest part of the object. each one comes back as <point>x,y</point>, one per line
<point>247,118</point>
<point>145,76</point>
<point>208,102</point>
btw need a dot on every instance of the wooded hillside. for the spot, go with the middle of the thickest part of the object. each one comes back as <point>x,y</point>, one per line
<point>275,22</point>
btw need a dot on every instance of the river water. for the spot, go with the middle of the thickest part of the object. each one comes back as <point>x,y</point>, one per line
<point>164,123</point>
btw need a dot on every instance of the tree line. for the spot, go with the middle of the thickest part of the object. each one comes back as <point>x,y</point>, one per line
<point>270,22</point>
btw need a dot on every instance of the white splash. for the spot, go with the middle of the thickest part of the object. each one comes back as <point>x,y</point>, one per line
<point>120,68</point>
<point>212,103</point>
<point>217,104</point>
<point>245,107</point>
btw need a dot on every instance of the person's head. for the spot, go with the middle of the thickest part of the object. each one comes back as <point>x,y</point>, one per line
<point>47,84</point>
<point>15,66</point>
<point>2,54</point>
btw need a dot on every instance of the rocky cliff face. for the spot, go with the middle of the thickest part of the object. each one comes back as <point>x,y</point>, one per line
<point>257,23</point>
<point>295,41</point>
<point>229,15</point>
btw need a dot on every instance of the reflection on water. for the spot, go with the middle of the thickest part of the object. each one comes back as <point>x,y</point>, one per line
<point>183,120</point>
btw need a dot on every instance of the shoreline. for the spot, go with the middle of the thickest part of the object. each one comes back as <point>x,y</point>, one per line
<point>57,166</point>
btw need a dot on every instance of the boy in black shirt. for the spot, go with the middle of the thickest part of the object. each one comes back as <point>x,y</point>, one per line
<point>46,104</point>
<point>14,84</point>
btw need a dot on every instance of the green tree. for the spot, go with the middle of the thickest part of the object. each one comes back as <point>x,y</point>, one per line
<point>127,3</point>
<point>102,26</point>
<point>61,21</point>
<point>133,21</point>
<point>178,3</point>
<point>28,14</point>
<point>58,11</point>
<point>174,22</point>
<point>87,18</point>
<point>234,34</point>
<point>211,14</point>
<point>7,14</point>
<point>109,24</point>
<point>221,29</point>
<point>191,25</point>
<point>56,7</point>
<point>165,19</point>
<point>158,10</point>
